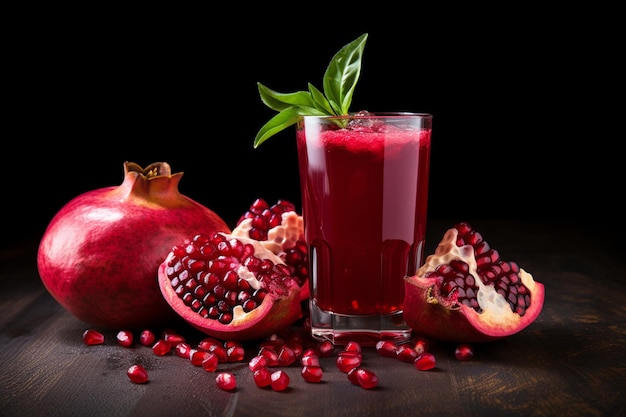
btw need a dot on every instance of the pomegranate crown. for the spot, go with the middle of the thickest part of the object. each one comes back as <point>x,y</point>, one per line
<point>339,82</point>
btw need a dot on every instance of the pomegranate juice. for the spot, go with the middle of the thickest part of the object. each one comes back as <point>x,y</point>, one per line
<point>364,197</point>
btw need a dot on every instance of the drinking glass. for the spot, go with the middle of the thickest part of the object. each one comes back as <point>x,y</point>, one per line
<point>364,186</point>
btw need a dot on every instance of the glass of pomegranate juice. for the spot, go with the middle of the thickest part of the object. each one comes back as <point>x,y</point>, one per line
<point>364,184</point>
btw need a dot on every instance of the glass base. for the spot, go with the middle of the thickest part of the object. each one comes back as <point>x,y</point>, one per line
<point>366,330</point>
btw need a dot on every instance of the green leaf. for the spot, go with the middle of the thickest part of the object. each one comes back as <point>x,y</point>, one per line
<point>340,79</point>
<point>320,100</point>
<point>280,101</point>
<point>342,75</point>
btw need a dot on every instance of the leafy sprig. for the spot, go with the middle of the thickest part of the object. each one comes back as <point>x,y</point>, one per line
<point>339,82</point>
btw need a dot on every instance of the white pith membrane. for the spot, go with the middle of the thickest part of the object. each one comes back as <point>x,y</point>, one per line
<point>495,309</point>
<point>279,238</point>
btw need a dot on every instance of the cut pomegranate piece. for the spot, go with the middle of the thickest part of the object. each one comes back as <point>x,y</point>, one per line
<point>231,288</point>
<point>465,293</point>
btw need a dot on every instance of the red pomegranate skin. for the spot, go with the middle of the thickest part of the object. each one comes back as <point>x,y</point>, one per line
<point>100,253</point>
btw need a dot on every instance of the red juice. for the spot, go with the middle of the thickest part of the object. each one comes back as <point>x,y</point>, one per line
<point>364,203</point>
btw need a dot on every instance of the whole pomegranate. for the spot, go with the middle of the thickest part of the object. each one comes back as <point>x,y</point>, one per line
<point>100,254</point>
<point>231,288</point>
<point>464,292</point>
<point>280,229</point>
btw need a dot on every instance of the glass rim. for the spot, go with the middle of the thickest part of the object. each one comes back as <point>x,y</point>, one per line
<point>374,115</point>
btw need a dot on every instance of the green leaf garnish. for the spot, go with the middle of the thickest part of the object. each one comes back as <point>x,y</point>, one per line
<point>339,82</point>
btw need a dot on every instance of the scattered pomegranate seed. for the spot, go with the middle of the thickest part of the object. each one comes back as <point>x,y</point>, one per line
<point>208,342</point>
<point>279,380</point>
<point>262,377</point>
<point>259,361</point>
<point>325,348</point>
<point>235,354</point>
<point>406,353</point>
<point>286,356</point>
<point>183,350</point>
<point>147,338</point>
<point>220,351</point>
<point>363,377</point>
<point>386,348</point>
<point>93,337</point>
<point>464,352</point>
<point>347,361</point>
<point>425,362</point>
<point>226,381</point>
<point>312,373</point>
<point>161,347</point>
<point>198,356</point>
<point>309,358</point>
<point>124,338</point>
<point>172,336</point>
<point>352,347</point>
<point>137,374</point>
<point>210,362</point>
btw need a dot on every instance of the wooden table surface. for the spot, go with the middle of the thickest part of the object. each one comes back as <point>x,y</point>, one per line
<point>570,362</point>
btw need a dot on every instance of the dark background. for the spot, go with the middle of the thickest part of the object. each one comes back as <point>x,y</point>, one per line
<point>523,101</point>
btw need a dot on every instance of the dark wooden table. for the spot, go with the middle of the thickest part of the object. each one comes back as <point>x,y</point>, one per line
<point>570,362</point>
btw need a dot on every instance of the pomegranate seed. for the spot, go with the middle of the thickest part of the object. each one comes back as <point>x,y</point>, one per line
<point>363,377</point>
<point>309,358</point>
<point>137,374</point>
<point>425,362</point>
<point>93,337</point>
<point>279,380</point>
<point>286,356</point>
<point>183,350</point>
<point>208,342</point>
<point>226,381</point>
<point>464,352</point>
<point>270,355</point>
<point>172,337</point>
<point>220,351</point>
<point>262,377</point>
<point>210,362</point>
<point>124,338</point>
<point>258,362</point>
<point>352,347</point>
<point>147,338</point>
<point>347,361</point>
<point>198,356</point>
<point>386,348</point>
<point>325,348</point>
<point>235,354</point>
<point>161,347</point>
<point>311,373</point>
<point>407,354</point>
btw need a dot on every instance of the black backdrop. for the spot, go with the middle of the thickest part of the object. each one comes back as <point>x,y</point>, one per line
<point>522,104</point>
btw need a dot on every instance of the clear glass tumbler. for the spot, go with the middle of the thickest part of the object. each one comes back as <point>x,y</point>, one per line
<point>364,183</point>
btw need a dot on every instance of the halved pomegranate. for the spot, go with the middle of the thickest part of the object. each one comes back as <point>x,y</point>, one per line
<point>280,229</point>
<point>231,288</point>
<point>464,292</point>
